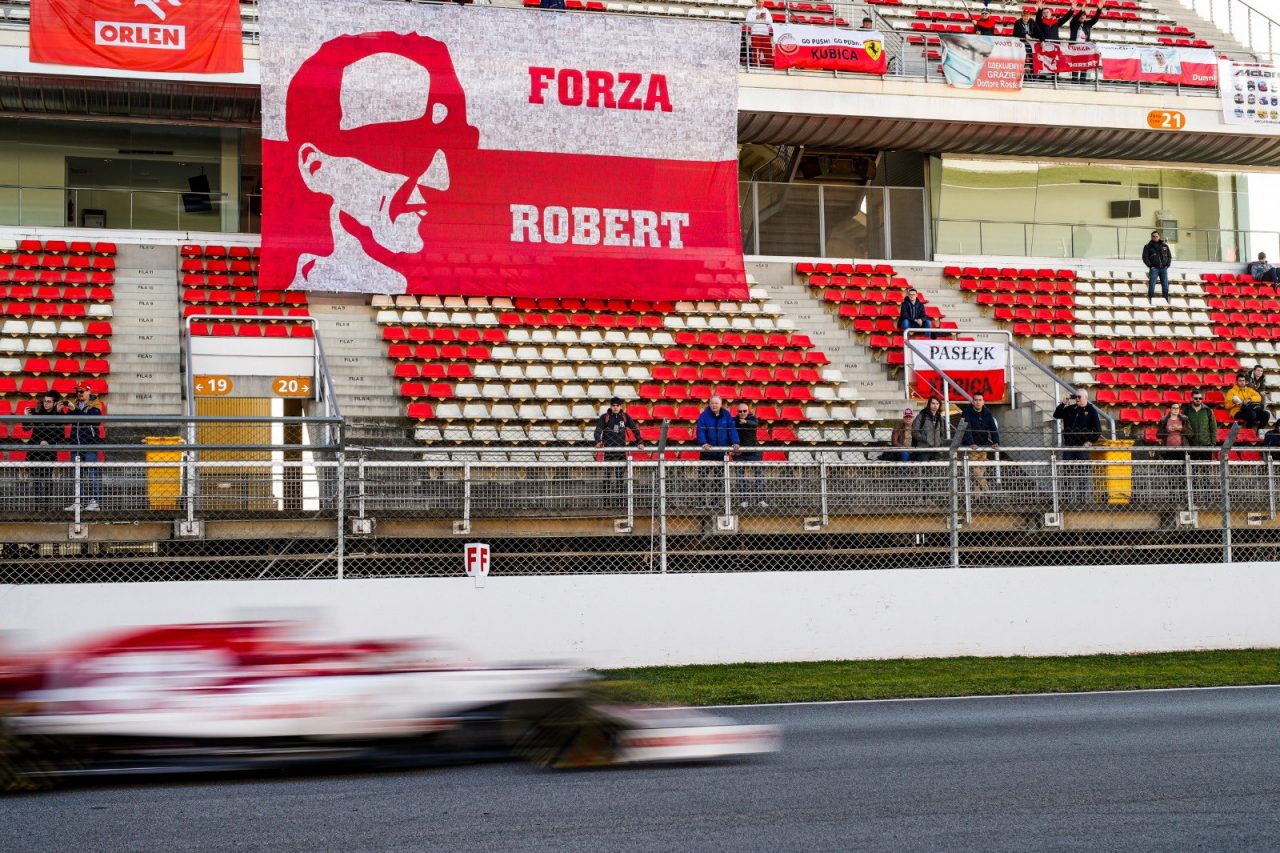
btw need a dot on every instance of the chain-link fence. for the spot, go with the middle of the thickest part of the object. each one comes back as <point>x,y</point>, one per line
<point>303,504</point>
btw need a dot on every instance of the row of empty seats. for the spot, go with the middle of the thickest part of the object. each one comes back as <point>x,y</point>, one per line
<point>221,282</point>
<point>55,318</point>
<point>539,364</point>
<point>1138,355</point>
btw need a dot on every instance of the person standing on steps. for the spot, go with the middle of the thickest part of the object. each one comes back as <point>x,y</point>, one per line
<point>1158,257</point>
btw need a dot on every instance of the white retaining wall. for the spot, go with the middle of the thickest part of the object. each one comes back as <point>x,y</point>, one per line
<point>622,620</point>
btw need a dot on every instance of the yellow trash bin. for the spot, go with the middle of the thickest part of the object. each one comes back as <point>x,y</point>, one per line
<point>1114,480</point>
<point>164,484</point>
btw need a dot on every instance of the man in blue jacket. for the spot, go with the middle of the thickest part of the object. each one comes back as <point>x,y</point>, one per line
<point>86,406</point>
<point>981,431</point>
<point>717,436</point>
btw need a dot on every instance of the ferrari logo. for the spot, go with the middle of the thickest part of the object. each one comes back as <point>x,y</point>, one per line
<point>873,49</point>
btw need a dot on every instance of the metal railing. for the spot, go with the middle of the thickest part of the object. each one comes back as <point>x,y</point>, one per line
<point>240,511</point>
<point>1099,242</point>
<point>1240,20</point>
<point>834,220</point>
<point>128,208</point>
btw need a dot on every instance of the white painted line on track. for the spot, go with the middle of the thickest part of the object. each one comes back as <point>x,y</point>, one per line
<point>986,696</point>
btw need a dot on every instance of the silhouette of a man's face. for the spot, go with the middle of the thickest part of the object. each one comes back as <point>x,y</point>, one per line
<point>373,118</point>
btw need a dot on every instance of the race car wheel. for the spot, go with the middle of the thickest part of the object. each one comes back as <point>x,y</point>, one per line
<point>570,734</point>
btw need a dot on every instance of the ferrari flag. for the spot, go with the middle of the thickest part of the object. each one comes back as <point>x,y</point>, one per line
<point>188,36</point>
<point>412,148</point>
<point>828,48</point>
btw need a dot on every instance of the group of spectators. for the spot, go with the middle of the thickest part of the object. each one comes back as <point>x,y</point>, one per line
<point>48,428</point>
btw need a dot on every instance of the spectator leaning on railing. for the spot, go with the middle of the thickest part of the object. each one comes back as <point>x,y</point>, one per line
<point>981,431</point>
<point>929,431</point>
<point>760,39</point>
<point>1202,429</point>
<point>46,429</point>
<point>87,406</point>
<point>1081,427</point>
<point>718,439</point>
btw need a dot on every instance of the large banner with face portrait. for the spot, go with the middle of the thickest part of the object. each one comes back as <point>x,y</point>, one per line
<point>486,151</point>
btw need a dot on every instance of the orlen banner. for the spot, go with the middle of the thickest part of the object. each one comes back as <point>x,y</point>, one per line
<point>189,36</point>
<point>976,366</point>
<point>1184,66</point>
<point>828,48</point>
<point>1065,57</point>
<point>486,151</point>
<point>983,62</point>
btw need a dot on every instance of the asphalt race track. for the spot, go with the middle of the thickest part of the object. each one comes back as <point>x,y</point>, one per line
<point>1181,770</point>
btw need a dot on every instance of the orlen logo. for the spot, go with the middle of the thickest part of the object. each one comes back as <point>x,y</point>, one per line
<point>125,34</point>
<point>131,34</point>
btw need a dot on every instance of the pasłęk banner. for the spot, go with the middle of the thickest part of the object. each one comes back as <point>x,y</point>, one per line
<point>484,151</point>
<point>976,366</point>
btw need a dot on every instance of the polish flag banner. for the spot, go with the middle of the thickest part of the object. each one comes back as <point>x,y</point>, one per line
<point>1177,66</point>
<point>471,151</point>
<point>186,36</point>
<point>977,367</point>
<point>828,49</point>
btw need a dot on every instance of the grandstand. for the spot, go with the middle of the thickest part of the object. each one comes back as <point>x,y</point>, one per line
<point>852,189</point>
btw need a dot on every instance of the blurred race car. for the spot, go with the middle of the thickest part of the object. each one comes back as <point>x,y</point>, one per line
<point>254,695</point>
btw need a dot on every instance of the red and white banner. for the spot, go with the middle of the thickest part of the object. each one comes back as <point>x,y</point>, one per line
<point>975,366</point>
<point>983,62</point>
<point>1065,57</point>
<point>828,48</point>
<point>1179,66</point>
<point>486,151</point>
<point>189,36</point>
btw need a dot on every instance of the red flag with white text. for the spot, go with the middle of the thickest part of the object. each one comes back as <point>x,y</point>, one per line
<point>428,149</point>
<point>188,36</point>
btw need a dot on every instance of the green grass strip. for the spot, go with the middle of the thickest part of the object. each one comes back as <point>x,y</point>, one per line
<point>745,683</point>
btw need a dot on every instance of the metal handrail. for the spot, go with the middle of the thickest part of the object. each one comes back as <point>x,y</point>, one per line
<point>1059,383</point>
<point>950,383</point>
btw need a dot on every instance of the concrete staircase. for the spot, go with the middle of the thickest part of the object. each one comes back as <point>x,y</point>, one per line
<point>855,360</point>
<point>881,386</point>
<point>146,349</point>
<point>358,365</point>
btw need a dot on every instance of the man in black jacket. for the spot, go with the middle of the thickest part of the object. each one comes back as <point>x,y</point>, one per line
<point>1158,258</point>
<point>1083,20</point>
<point>611,434</point>
<point>748,439</point>
<point>46,430</point>
<point>1028,30</point>
<point>1081,427</point>
<point>1049,23</point>
<point>981,431</point>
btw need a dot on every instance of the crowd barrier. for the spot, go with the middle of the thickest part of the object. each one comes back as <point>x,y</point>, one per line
<point>180,511</point>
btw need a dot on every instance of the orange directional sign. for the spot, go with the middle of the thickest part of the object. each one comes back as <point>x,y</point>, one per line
<point>1166,120</point>
<point>213,386</point>
<point>291,386</point>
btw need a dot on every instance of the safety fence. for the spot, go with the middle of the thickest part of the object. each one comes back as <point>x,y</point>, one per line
<point>186,512</point>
